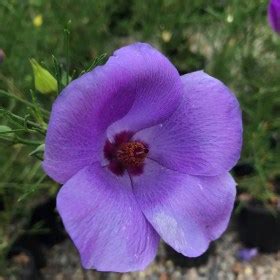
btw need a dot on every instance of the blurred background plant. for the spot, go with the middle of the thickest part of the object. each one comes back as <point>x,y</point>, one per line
<point>230,40</point>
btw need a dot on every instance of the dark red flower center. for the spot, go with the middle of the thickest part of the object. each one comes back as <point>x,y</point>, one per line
<point>125,154</point>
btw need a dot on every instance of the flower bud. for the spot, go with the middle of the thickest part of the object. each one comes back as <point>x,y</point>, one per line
<point>38,20</point>
<point>2,56</point>
<point>38,150</point>
<point>6,131</point>
<point>44,80</point>
<point>166,36</point>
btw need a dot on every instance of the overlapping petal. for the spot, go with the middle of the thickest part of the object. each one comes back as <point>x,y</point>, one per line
<point>158,88</point>
<point>204,136</point>
<point>105,222</point>
<point>136,88</point>
<point>187,211</point>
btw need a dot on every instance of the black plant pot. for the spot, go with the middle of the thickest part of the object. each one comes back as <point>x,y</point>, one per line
<point>276,184</point>
<point>30,246</point>
<point>34,244</point>
<point>46,214</point>
<point>243,169</point>
<point>259,227</point>
<point>186,262</point>
<point>27,268</point>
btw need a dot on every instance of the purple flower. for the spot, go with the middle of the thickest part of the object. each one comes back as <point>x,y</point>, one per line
<point>143,153</point>
<point>246,254</point>
<point>274,15</point>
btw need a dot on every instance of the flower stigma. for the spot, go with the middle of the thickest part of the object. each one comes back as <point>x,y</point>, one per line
<point>125,154</point>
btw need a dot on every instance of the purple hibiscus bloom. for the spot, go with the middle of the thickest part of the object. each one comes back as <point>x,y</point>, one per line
<point>274,15</point>
<point>143,153</point>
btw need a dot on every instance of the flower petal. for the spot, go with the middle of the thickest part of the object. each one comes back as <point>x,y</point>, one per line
<point>204,136</point>
<point>158,88</point>
<point>136,88</point>
<point>102,217</point>
<point>187,211</point>
<point>274,15</point>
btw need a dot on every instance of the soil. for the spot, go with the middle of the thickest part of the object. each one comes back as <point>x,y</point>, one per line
<point>63,264</point>
<point>52,256</point>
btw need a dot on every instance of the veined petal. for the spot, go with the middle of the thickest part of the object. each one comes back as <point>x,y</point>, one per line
<point>102,217</point>
<point>137,88</point>
<point>158,88</point>
<point>187,211</point>
<point>204,135</point>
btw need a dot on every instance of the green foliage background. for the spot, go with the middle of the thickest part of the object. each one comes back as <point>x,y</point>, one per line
<point>230,40</point>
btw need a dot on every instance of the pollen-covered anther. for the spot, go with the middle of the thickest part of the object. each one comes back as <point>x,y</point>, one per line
<point>132,154</point>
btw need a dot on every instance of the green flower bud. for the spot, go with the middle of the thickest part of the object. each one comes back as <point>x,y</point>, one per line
<point>39,149</point>
<point>44,80</point>
<point>6,131</point>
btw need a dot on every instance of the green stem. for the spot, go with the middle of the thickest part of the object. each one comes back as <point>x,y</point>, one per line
<point>23,121</point>
<point>27,142</point>
<point>23,101</point>
<point>67,39</point>
<point>20,140</point>
<point>14,130</point>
